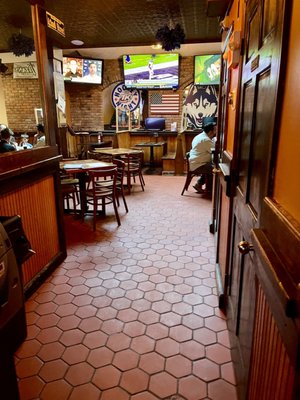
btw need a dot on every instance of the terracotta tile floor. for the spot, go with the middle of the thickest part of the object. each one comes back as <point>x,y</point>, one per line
<point>132,312</point>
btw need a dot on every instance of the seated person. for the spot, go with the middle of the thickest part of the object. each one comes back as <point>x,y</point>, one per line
<point>201,155</point>
<point>24,144</point>
<point>39,139</point>
<point>5,142</point>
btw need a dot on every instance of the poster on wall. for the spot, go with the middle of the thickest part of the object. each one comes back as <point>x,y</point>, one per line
<point>125,99</point>
<point>25,70</point>
<point>199,102</point>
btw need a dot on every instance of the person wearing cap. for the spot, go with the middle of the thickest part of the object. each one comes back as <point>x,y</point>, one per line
<point>200,157</point>
<point>5,144</point>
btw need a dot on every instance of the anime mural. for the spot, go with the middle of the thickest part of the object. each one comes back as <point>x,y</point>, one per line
<point>199,102</point>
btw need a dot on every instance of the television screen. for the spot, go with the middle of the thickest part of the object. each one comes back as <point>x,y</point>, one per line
<point>151,71</point>
<point>207,69</point>
<point>82,70</point>
<point>155,124</point>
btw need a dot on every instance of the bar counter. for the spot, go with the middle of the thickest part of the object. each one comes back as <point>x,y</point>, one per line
<point>29,187</point>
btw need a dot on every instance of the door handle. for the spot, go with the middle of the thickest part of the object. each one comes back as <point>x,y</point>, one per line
<point>244,247</point>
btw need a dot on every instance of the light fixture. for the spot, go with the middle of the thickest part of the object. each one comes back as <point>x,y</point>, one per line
<point>156,46</point>
<point>21,45</point>
<point>170,38</point>
<point>77,42</point>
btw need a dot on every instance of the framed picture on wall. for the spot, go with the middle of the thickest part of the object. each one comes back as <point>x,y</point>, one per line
<point>38,113</point>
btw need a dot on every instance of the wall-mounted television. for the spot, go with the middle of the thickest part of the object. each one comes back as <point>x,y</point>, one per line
<point>207,69</point>
<point>151,71</point>
<point>82,70</point>
<point>155,124</point>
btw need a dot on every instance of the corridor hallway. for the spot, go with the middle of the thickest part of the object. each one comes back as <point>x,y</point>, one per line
<point>132,312</point>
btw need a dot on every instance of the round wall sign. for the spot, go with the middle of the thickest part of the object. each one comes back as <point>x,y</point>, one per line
<point>125,99</point>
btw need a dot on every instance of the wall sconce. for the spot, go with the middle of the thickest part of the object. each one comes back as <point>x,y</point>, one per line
<point>232,99</point>
<point>225,23</point>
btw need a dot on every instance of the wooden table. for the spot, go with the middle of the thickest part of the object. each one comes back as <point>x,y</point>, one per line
<point>80,168</point>
<point>116,152</point>
<point>152,145</point>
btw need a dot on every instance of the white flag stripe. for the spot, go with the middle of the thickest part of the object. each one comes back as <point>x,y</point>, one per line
<point>164,103</point>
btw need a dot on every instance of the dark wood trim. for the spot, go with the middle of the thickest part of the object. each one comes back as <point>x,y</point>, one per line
<point>17,163</point>
<point>44,57</point>
<point>283,234</point>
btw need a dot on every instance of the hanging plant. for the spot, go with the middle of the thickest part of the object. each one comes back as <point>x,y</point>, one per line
<point>20,45</point>
<point>170,39</point>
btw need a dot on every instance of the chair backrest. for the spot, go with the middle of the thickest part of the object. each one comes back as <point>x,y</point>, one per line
<point>98,156</point>
<point>105,173</point>
<point>120,164</point>
<point>133,161</point>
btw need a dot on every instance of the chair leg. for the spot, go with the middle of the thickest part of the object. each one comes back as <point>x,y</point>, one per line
<point>187,182</point>
<point>94,213</point>
<point>141,181</point>
<point>116,211</point>
<point>123,197</point>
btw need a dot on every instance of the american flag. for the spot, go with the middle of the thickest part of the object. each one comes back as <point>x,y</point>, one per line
<point>164,103</point>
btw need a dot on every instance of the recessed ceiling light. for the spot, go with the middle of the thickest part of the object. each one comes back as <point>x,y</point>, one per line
<point>77,42</point>
<point>156,46</point>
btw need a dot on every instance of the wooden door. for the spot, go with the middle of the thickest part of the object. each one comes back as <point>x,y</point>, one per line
<point>222,197</point>
<point>259,84</point>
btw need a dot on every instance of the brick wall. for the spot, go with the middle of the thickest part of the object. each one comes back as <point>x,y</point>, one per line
<point>86,101</point>
<point>22,96</point>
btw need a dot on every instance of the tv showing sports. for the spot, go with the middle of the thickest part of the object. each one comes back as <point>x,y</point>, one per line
<point>82,70</point>
<point>207,69</point>
<point>151,71</point>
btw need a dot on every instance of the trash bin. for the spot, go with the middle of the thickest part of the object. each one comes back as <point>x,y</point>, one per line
<point>14,250</point>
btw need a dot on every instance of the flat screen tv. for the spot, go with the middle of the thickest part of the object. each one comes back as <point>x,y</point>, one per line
<point>207,69</point>
<point>155,124</point>
<point>151,71</point>
<point>82,70</point>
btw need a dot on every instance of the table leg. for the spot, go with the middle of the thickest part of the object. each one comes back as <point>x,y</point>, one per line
<point>151,157</point>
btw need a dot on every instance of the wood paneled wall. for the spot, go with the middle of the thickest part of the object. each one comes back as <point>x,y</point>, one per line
<point>35,203</point>
<point>272,373</point>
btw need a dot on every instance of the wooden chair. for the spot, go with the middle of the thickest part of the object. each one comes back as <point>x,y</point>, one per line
<point>103,191</point>
<point>133,168</point>
<point>120,178</point>
<point>70,190</point>
<point>98,156</point>
<point>190,175</point>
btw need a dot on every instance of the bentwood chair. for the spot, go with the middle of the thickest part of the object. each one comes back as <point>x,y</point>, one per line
<point>70,191</point>
<point>133,168</point>
<point>120,181</point>
<point>190,175</point>
<point>103,191</point>
<point>98,156</point>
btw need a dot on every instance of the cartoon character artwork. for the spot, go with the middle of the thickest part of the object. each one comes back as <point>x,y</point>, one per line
<point>199,102</point>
